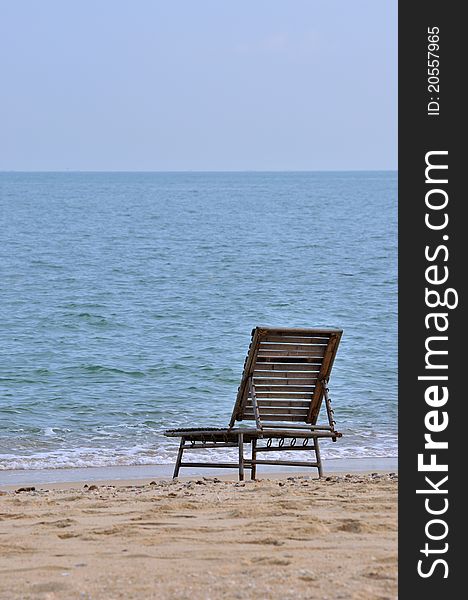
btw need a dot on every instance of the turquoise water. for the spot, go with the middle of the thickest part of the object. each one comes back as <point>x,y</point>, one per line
<point>127,301</point>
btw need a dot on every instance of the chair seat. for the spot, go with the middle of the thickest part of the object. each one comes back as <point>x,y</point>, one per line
<point>220,434</point>
<point>225,434</point>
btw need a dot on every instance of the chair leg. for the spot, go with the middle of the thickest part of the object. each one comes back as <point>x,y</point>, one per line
<point>319,460</point>
<point>179,458</point>
<point>253,471</point>
<point>241,456</point>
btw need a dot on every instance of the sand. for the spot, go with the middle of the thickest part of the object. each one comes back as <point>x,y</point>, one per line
<point>289,538</point>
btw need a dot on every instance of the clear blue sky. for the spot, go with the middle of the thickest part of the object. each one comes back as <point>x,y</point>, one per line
<point>198,84</point>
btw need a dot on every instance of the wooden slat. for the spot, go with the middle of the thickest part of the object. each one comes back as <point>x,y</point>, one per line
<point>316,351</point>
<point>307,348</point>
<point>283,359</point>
<point>290,463</point>
<point>298,371</point>
<point>305,428</point>
<point>253,400</point>
<point>272,417</point>
<point>261,373</point>
<point>275,379</point>
<point>249,366</point>
<point>298,330</point>
<point>284,388</point>
<point>215,464</point>
<point>274,430</point>
<point>275,402</point>
<point>198,433</point>
<point>296,339</point>
<point>284,367</point>
<point>285,448</point>
<point>283,410</point>
<point>324,373</point>
<point>292,396</point>
<point>200,446</point>
<point>288,357</point>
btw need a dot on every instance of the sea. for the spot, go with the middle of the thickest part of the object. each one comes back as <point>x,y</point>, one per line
<point>127,302</point>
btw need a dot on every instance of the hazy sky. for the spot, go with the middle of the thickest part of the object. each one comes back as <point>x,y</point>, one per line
<point>198,84</point>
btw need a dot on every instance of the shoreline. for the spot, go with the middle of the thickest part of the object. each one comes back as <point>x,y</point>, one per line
<point>138,473</point>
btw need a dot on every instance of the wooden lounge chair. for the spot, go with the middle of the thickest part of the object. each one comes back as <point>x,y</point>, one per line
<point>285,379</point>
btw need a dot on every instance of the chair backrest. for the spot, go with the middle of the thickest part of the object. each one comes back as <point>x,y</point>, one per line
<point>285,374</point>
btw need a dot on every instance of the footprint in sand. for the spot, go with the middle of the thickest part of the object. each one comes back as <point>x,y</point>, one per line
<point>353,526</point>
<point>307,530</point>
<point>49,587</point>
<point>270,560</point>
<point>68,535</point>
<point>60,523</point>
<point>379,574</point>
<point>267,541</point>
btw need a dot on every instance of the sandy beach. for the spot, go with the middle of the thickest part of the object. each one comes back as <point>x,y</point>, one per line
<point>205,538</point>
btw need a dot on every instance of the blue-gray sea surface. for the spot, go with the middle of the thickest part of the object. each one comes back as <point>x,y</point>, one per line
<point>127,302</point>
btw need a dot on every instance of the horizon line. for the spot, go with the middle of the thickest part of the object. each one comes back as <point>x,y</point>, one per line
<point>200,171</point>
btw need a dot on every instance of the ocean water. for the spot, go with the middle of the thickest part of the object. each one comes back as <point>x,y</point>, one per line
<point>127,302</point>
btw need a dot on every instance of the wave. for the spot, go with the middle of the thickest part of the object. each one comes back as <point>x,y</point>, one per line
<point>166,454</point>
<point>110,370</point>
